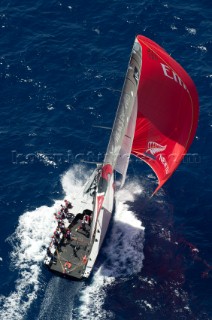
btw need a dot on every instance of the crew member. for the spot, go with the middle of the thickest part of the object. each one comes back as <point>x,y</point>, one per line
<point>68,204</point>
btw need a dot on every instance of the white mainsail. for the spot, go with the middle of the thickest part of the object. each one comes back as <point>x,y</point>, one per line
<point>124,154</point>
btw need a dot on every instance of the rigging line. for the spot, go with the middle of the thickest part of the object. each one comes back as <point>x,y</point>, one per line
<point>91,162</point>
<point>102,127</point>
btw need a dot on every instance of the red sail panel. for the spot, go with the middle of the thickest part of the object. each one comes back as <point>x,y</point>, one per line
<point>167,111</point>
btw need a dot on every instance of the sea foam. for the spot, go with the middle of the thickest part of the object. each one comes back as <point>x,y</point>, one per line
<point>29,243</point>
<point>123,254</point>
<point>123,251</point>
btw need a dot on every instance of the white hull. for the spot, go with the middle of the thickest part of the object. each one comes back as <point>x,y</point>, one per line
<point>102,224</point>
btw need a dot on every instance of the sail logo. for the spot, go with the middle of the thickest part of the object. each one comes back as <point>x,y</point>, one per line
<point>154,147</point>
<point>164,163</point>
<point>169,73</point>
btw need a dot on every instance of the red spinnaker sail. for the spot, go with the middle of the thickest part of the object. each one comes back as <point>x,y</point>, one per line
<point>167,111</point>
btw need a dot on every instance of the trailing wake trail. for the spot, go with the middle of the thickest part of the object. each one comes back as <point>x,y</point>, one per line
<point>123,255</point>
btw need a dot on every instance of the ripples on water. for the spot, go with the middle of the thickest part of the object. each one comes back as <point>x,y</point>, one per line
<point>62,67</point>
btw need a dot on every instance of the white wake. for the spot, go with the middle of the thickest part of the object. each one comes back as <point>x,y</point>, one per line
<point>123,252</point>
<point>123,256</point>
<point>29,243</point>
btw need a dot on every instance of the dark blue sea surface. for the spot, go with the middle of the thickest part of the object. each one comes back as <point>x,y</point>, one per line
<point>62,67</point>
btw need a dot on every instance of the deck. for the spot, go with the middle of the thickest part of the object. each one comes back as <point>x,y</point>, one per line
<point>69,256</point>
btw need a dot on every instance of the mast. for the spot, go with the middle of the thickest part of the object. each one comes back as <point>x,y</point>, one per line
<point>119,131</point>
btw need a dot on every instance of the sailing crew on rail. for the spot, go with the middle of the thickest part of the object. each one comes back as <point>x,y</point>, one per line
<point>64,209</point>
<point>68,234</point>
<point>68,204</point>
<point>87,219</point>
<point>55,241</point>
<point>62,227</point>
<point>57,233</point>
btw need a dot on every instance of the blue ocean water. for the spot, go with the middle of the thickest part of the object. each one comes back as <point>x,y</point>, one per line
<point>62,67</point>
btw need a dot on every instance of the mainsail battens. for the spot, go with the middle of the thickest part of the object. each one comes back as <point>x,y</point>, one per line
<point>120,127</point>
<point>124,154</point>
<point>125,107</point>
